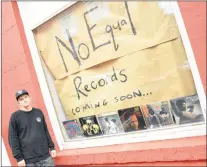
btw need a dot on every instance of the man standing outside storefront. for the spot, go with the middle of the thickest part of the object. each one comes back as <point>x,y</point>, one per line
<point>29,138</point>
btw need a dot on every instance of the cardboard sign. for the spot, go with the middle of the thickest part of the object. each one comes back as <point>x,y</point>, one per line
<point>128,57</point>
<point>152,75</point>
<point>76,40</point>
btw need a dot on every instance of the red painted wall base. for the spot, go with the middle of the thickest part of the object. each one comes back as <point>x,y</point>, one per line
<point>186,151</point>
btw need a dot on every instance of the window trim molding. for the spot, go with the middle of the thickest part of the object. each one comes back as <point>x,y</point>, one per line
<point>190,56</point>
<point>166,133</point>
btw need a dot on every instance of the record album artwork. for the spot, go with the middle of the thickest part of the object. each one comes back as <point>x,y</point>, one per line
<point>73,129</point>
<point>90,126</point>
<point>110,123</point>
<point>187,109</point>
<point>157,114</point>
<point>132,119</point>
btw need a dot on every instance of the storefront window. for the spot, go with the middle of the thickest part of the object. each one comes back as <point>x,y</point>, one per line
<point>122,72</point>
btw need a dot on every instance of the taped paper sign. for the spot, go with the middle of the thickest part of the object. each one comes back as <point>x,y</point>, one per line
<point>126,27</point>
<point>128,58</point>
<point>147,76</point>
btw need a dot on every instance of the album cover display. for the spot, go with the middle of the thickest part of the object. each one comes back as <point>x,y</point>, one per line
<point>187,109</point>
<point>157,114</point>
<point>132,119</point>
<point>110,123</point>
<point>73,129</point>
<point>90,126</point>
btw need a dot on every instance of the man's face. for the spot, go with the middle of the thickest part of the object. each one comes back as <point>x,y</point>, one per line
<point>24,101</point>
<point>134,122</point>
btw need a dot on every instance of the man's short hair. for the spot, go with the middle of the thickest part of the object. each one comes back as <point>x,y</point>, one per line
<point>129,113</point>
<point>113,120</point>
<point>106,119</point>
<point>151,110</point>
<point>179,104</point>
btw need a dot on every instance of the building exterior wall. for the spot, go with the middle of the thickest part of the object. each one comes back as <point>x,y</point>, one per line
<point>194,16</point>
<point>18,72</point>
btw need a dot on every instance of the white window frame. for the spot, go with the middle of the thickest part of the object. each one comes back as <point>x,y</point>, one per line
<point>54,8</point>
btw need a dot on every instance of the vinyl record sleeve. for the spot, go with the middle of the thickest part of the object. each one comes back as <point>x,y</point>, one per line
<point>187,109</point>
<point>132,119</point>
<point>90,126</point>
<point>110,123</point>
<point>73,129</point>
